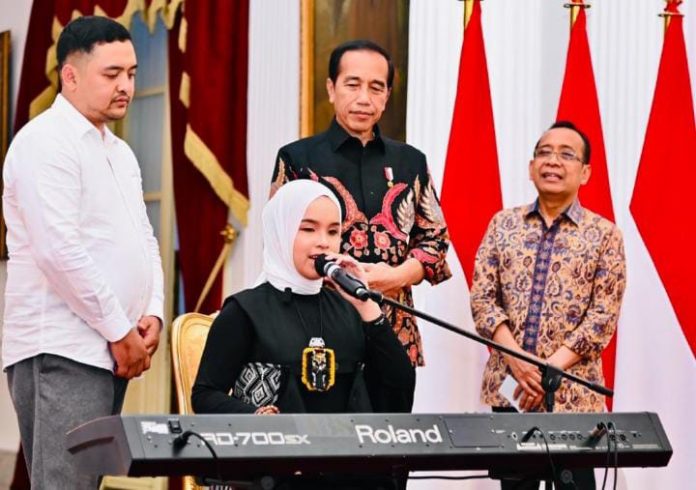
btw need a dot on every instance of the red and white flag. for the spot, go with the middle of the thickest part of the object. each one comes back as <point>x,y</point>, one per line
<point>579,104</point>
<point>471,185</point>
<point>657,355</point>
<point>663,194</point>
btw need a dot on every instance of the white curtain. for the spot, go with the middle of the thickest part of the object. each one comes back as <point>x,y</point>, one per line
<point>273,120</point>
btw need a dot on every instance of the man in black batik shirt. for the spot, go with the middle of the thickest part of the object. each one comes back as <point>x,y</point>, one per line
<point>392,217</point>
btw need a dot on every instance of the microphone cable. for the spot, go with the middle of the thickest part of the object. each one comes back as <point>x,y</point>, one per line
<point>604,426</point>
<point>612,435</point>
<point>528,435</point>
<point>182,439</point>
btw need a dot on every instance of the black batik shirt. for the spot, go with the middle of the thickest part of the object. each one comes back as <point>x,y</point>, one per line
<point>390,209</point>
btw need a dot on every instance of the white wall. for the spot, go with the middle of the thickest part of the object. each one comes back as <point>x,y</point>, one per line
<point>15,17</point>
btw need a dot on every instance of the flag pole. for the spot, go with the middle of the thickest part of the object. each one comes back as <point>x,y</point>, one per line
<point>229,235</point>
<point>671,10</point>
<point>468,9</point>
<point>575,7</point>
<point>467,165</point>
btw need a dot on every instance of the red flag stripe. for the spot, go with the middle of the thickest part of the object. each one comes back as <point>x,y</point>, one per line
<point>471,186</point>
<point>579,104</point>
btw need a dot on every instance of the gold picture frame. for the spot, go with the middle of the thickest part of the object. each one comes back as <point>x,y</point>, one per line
<point>327,23</point>
<point>4,121</point>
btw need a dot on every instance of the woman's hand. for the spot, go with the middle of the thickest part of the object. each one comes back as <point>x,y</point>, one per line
<point>267,410</point>
<point>368,310</point>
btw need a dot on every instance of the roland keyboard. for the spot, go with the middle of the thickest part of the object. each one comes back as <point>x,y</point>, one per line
<point>250,446</point>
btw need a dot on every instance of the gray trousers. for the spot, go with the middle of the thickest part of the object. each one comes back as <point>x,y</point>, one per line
<point>52,395</point>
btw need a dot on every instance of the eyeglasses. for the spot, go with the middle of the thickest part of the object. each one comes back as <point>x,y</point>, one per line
<point>565,156</point>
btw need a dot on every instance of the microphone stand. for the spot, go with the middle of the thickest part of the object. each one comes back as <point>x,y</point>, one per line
<point>551,376</point>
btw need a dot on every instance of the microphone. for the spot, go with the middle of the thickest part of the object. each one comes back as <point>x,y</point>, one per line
<point>350,284</point>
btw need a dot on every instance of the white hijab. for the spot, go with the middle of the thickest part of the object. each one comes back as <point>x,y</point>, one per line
<point>281,218</point>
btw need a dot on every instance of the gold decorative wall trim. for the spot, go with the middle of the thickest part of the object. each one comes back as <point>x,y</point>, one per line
<point>207,163</point>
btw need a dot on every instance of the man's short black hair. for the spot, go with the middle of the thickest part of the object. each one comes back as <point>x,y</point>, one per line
<point>359,45</point>
<point>83,33</point>
<point>587,150</point>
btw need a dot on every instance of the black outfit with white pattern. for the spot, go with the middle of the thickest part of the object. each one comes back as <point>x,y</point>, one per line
<point>268,326</point>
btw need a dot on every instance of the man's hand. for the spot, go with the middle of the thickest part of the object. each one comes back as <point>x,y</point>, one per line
<point>527,375</point>
<point>381,277</point>
<point>527,402</point>
<point>564,358</point>
<point>149,328</point>
<point>130,355</point>
<point>368,310</point>
<point>385,278</point>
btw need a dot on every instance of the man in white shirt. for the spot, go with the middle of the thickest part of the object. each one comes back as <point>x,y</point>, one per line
<point>84,294</point>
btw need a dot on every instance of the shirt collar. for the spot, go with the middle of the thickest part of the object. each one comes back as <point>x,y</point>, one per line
<point>338,136</point>
<point>574,212</point>
<point>78,121</point>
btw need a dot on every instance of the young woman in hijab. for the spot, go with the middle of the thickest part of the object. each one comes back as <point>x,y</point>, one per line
<point>291,345</point>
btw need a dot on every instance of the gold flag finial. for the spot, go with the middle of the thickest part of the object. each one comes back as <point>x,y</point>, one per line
<point>671,10</point>
<point>229,235</point>
<point>575,7</point>
<point>468,10</point>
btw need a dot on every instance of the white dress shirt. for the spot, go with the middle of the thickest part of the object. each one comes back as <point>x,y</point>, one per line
<point>84,263</point>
